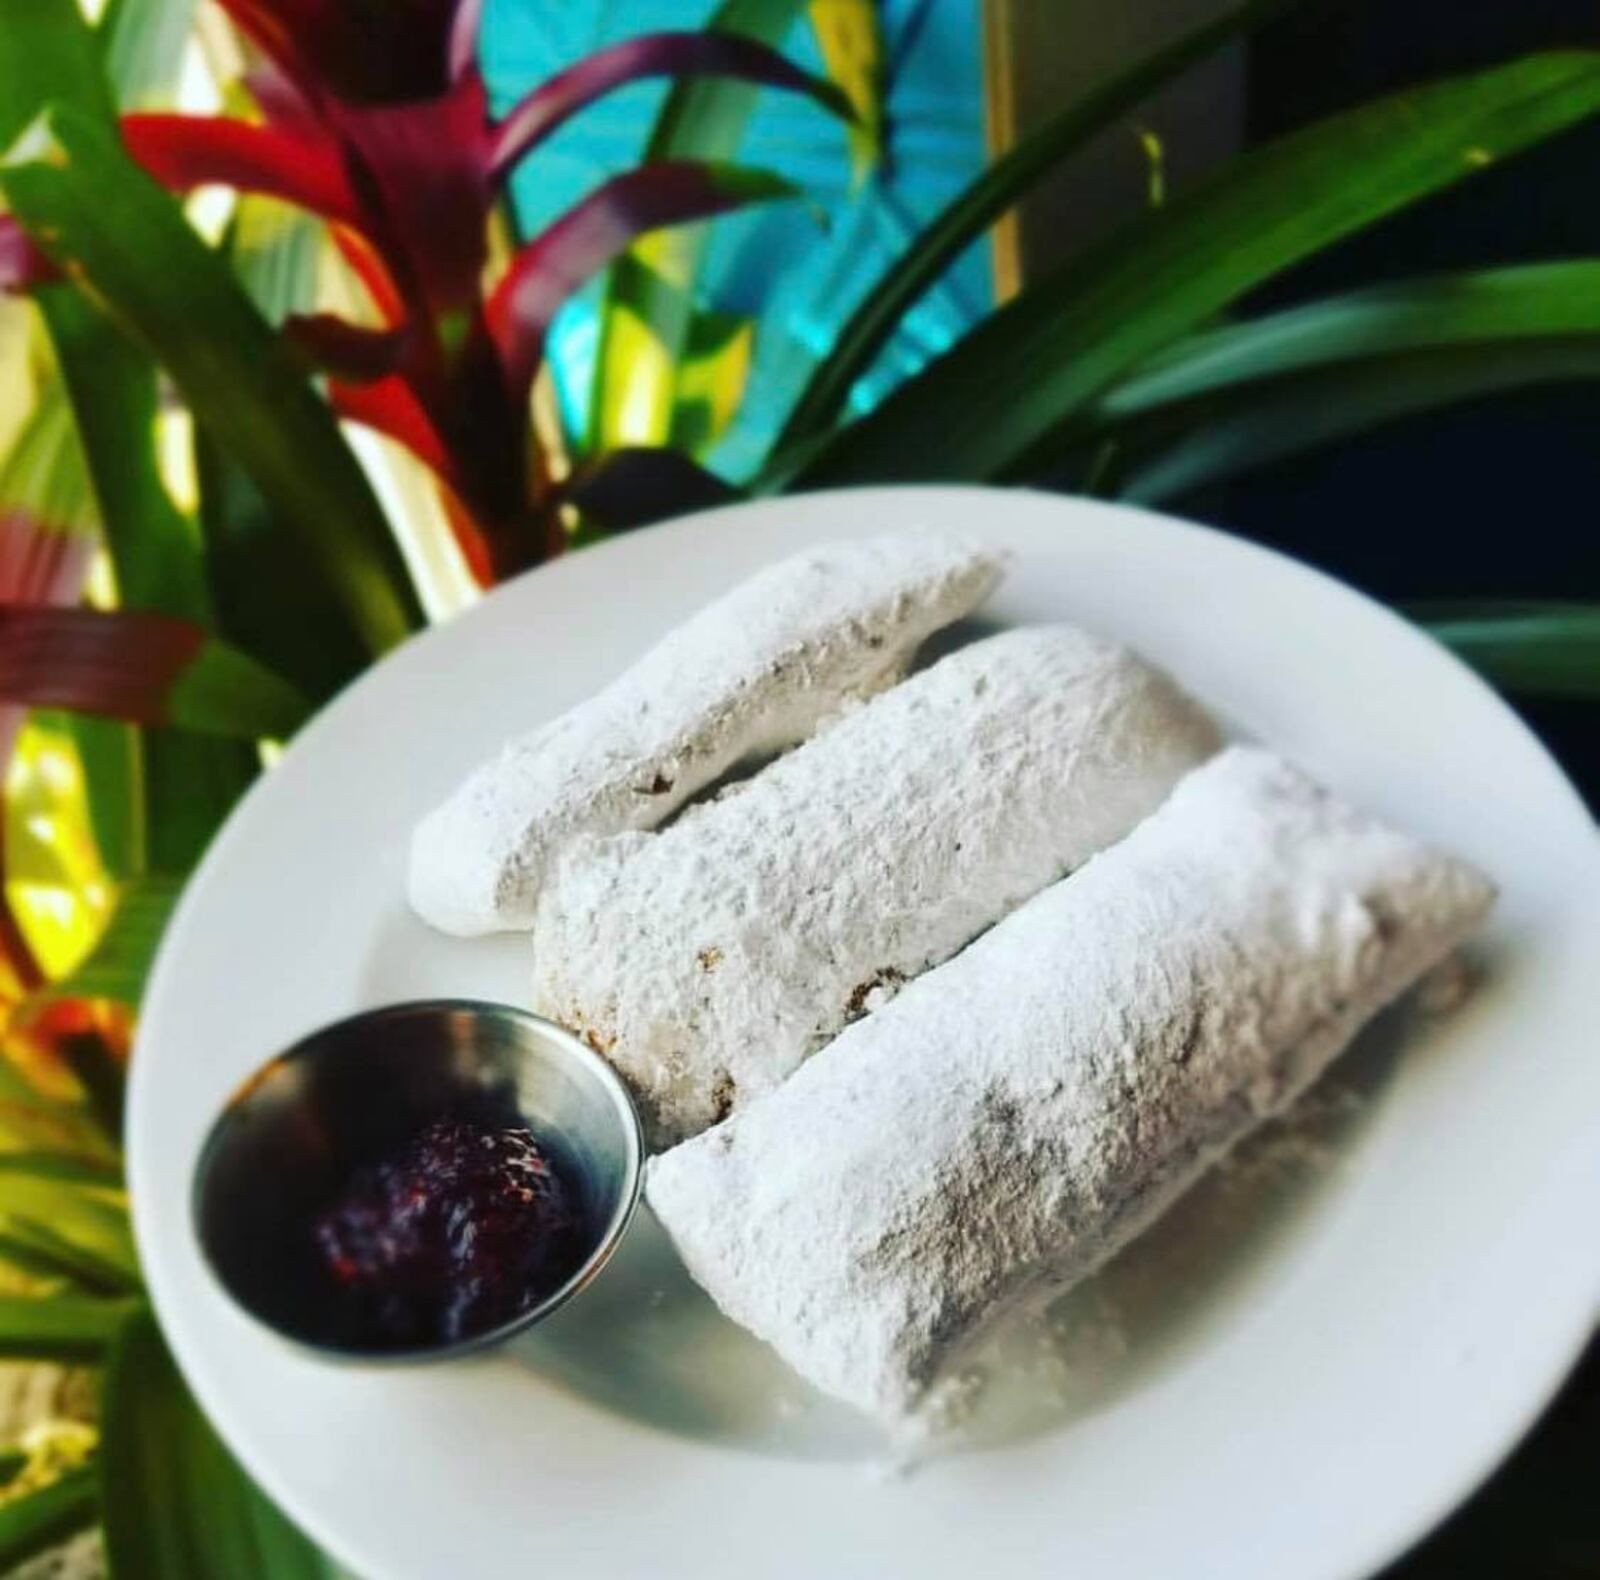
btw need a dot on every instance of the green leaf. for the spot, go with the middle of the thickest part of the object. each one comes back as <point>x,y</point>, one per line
<point>71,1166</point>
<point>59,1327</point>
<point>112,387</point>
<point>102,218</point>
<point>44,1519</point>
<point>1534,649</point>
<point>144,42</point>
<point>1541,299</point>
<point>1251,393</point>
<point>186,786</point>
<point>32,1120</point>
<point>109,755</point>
<point>223,691</point>
<point>91,1219</point>
<point>47,52</point>
<point>36,1249</point>
<point>176,1504</point>
<point>648,309</point>
<point>983,406</point>
<point>119,964</point>
<point>44,475</point>
<point>264,600</point>
<point>986,199</point>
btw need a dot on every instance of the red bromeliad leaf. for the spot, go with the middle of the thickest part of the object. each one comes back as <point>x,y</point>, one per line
<point>388,406</point>
<point>373,273</point>
<point>421,171</point>
<point>348,351</point>
<point>651,55</point>
<point>143,667</point>
<point>184,151</point>
<point>588,236</point>
<point>357,50</point>
<point>21,263</point>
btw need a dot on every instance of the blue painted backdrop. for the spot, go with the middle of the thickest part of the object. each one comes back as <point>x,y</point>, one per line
<point>798,276</point>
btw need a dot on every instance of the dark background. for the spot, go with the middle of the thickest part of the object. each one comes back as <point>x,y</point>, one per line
<point>1496,499</point>
<point>1500,498</point>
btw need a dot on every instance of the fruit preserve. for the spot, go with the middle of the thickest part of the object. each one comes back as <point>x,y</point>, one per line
<point>458,1230</point>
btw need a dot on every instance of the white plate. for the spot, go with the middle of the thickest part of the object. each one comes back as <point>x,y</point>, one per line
<point>1293,1377</point>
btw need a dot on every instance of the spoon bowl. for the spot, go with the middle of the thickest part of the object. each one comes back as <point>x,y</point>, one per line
<point>293,1136</point>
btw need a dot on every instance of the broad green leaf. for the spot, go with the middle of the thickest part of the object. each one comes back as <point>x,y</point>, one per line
<point>264,600</point>
<point>59,1327</point>
<point>32,1120</point>
<point>176,1504</point>
<point>109,755</point>
<point>191,783</point>
<point>983,406</point>
<point>73,1167</point>
<point>188,785</point>
<point>35,1523</point>
<point>144,43</point>
<point>986,199</point>
<point>224,691</point>
<point>47,52</point>
<point>38,1249</point>
<point>90,1218</point>
<point>1437,311</point>
<point>43,474</point>
<point>120,962</point>
<point>1533,649</point>
<point>1251,393</point>
<point>648,309</point>
<point>1255,425</point>
<point>112,387</point>
<point>102,218</point>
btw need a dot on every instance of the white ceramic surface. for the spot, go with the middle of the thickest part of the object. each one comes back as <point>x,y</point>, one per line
<point>1294,1376</point>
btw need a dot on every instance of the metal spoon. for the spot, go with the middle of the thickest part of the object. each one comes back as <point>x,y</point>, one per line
<point>290,1138</point>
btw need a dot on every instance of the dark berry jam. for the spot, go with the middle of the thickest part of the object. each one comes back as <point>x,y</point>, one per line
<point>458,1230</point>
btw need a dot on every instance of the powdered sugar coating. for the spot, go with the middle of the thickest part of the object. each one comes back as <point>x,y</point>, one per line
<point>707,961</point>
<point>750,674</point>
<point>1017,1115</point>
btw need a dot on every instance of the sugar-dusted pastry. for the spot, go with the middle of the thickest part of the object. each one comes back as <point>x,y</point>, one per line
<point>1016,1116</point>
<point>750,674</point>
<point>707,961</point>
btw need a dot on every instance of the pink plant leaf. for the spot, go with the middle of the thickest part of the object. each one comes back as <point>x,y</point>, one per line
<point>121,664</point>
<point>651,55</point>
<point>185,151</point>
<point>22,265</point>
<point>281,100</point>
<point>589,235</point>
<point>464,38</point>
<point>144,667</point>
<point>41,564</point>
<point>350,352</point>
